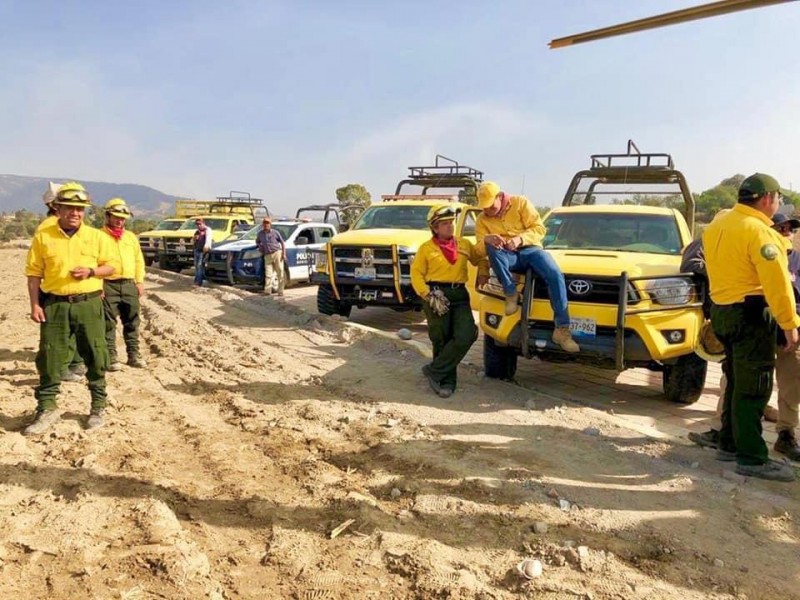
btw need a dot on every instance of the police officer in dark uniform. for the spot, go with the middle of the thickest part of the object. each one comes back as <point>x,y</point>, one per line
<point>752,297</point>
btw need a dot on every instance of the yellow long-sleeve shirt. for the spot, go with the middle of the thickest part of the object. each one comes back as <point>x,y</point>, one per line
<point>520,219</point>
<point>128,253</point>
<point>431,265</point>
<point>48,221</point>
<point>746,257</point>
<point>53,254</point>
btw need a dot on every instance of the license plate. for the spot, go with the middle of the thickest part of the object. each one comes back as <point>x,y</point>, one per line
<point>365,273</point>
<point>185,259</point>
<point>583,327</point>
<point>368,295</point>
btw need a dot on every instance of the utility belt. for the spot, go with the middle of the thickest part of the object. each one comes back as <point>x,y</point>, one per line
<point>120,280</point>
<point>445,284</point>
<point>46,298</point>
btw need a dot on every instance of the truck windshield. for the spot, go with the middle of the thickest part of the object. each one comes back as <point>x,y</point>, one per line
<point>215,224</point>
<point>654,234</point>
<point>394,217</point>
<point>284,230</point>
<point>168,225</point>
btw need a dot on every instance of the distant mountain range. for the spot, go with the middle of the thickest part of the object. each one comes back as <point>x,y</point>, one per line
<point>18,192</point>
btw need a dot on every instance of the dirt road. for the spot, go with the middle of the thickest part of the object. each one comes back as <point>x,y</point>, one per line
<point>258,430</point>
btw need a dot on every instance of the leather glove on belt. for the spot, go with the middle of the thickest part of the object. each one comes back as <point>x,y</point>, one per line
<point>438,302</point>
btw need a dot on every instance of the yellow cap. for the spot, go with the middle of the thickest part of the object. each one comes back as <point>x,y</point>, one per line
<point>117,207</point>
<point>72,193</point>
<point>487,192</point>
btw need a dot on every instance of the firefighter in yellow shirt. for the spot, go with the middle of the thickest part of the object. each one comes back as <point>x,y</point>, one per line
<point>124,288</point>
<point>510,231</point>
<point>65,267</point>
<point>752,296</point>
<point>439,276</point>
<point>76,369</point>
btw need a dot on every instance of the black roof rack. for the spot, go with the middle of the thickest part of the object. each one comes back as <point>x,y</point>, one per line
<point>630,169</point>
<point>632,159</point>
<point>239,198</point>
<point>444,173</point>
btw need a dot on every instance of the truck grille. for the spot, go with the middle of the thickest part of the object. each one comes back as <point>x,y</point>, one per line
<point>347,258</point>
<point>590,289</point>
<point>176,246</point>
<point>148,242</point>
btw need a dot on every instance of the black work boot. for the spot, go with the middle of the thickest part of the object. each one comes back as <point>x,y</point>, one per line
<point>707,439</point>
<point>135,360</point>
<point>787,444</point>
<point>96,419</point>
<point>435,385</point>
<point>42,421</point>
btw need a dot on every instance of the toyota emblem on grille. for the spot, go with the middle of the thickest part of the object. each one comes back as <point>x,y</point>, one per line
<point>579,287</point>
<point>366,257</point>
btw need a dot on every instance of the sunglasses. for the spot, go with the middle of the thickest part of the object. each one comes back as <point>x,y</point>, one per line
<point>121,209</point>
<point>73,195</point>
<point>786,229</point>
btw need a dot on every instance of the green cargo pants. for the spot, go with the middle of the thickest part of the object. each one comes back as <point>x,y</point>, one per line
<point>121,301</point>
<point>66,327</point>
<point>451,334</point>
<point>749,336</point>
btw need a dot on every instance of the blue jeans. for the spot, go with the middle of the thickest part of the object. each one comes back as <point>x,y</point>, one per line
<point>504,262</point>
<point>199,267</point>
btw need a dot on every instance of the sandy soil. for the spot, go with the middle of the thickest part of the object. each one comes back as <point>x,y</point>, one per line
<point>258,430</point>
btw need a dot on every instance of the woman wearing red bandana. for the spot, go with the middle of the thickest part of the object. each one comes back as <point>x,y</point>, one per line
<point>122,291</point>
<point>439,276</point>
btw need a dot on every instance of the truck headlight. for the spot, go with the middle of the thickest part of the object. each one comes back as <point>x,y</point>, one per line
<point>251,254</point>
<point>672,291</point>
<point>321,260</point>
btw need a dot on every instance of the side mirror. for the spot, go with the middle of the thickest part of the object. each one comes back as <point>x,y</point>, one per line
<point>301,240</point>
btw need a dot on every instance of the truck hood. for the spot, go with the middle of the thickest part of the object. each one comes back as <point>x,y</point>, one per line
<point>612,264</point>
<point>236,246</point>
<point>409,238</point>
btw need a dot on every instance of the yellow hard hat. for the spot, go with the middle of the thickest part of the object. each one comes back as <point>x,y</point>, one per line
<point>708,346</point>
<point>487,192</point>
<point>117,207</point>
<point>73,193</point>
<point>442,212</point>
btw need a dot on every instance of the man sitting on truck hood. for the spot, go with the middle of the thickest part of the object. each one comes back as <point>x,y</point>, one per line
<point>511,231</point>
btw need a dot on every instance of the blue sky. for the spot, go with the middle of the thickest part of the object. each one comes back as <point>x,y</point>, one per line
<point>289,100</point>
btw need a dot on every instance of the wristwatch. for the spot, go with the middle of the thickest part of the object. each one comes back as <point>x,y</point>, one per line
<point>91,272</point>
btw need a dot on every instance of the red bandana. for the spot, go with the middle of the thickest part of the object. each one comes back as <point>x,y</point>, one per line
<point>116,232</point>
<point>449,248</point>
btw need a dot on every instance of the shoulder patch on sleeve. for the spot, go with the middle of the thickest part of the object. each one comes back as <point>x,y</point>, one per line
<point>769,251</point>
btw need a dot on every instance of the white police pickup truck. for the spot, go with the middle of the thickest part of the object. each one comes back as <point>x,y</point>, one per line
<point>239,262</point>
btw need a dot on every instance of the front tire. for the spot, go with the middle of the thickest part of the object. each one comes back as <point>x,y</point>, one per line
<point>499,362</point>
<point>327,304</point>
<point>166,265</point>
<point>685,380</point>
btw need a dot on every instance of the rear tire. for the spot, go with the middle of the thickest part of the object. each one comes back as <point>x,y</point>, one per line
<point>148,261</point>
<point>327,304</point>
<point>499,362</point>
<point>684,381</point>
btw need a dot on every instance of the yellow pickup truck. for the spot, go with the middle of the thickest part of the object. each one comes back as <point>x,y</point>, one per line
<point>150,240</point>
<point>225,216</point>
<point>630,306</point>
<point>370,264</point>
